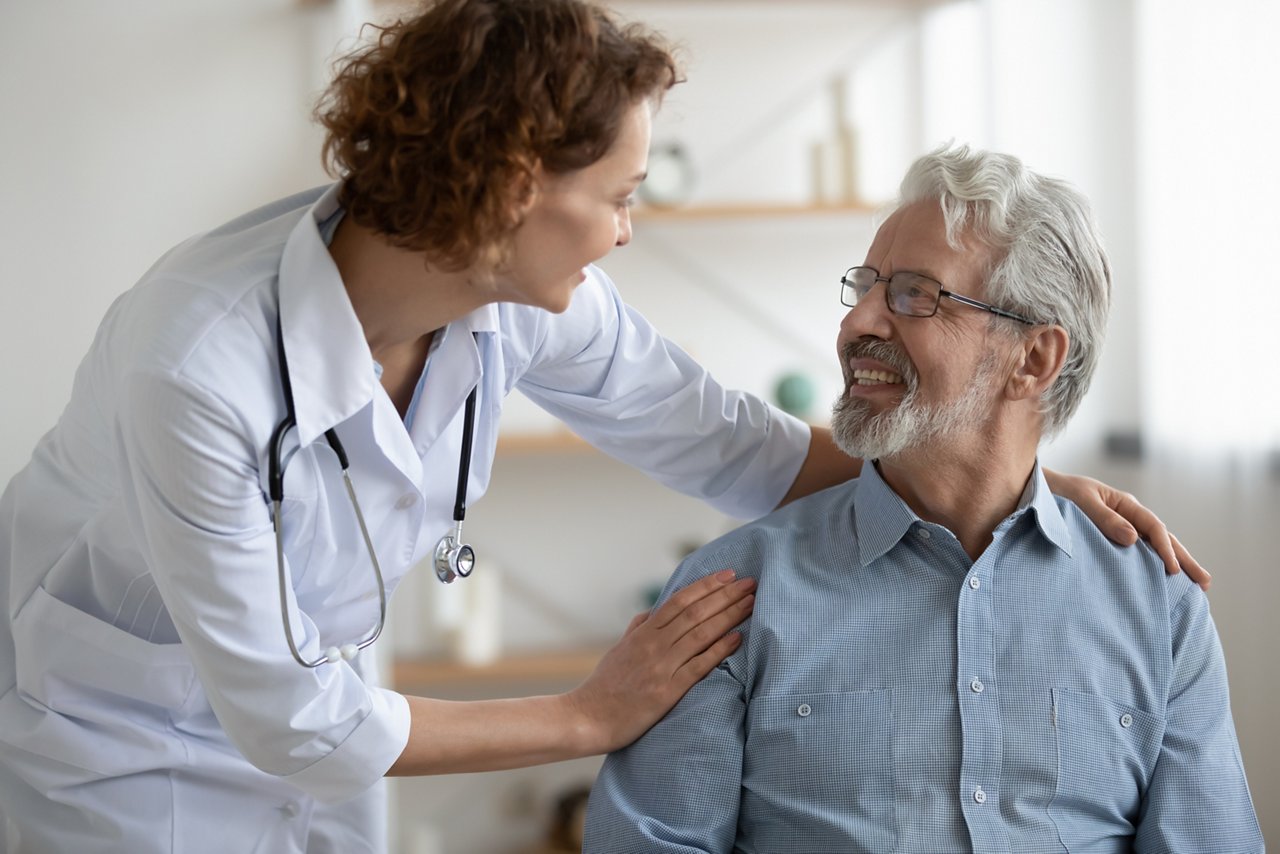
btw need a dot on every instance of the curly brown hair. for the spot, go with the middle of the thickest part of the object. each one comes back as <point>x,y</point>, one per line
<point>437,126</point>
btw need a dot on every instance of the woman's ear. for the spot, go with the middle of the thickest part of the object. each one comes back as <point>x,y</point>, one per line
<point>1039,360</point>
<point>524,195</point>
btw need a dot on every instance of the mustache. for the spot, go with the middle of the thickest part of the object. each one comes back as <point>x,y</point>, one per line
<point>881,351</point>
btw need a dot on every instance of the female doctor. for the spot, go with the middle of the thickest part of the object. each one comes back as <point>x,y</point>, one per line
<point>187,578</point>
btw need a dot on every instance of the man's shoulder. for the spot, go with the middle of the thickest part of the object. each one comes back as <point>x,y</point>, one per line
<point>1137,568</point>
<point>750,549</point>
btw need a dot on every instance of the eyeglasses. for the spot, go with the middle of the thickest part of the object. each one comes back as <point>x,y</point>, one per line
<point>909,294</point>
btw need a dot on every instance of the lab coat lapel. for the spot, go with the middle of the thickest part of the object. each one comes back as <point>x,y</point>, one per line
<point>331,368</point>
<point>454,369</point>
<point>330,365</point>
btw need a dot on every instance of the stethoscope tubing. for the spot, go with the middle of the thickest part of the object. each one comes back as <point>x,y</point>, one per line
<point>453,558</point>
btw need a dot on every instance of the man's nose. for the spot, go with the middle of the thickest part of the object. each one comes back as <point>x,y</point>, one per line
<point>870,317</point>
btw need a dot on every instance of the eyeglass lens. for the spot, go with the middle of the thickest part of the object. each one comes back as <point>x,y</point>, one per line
<point>907,293</point>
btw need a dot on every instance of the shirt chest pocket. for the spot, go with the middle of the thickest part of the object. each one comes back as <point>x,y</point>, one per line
<point>1106,754</point>
<point>821,766</point>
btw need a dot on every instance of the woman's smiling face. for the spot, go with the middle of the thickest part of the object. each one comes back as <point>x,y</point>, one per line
<point>577,218</point>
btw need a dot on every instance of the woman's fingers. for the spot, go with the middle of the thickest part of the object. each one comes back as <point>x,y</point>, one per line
<point>636,622</point>
<point>1123,518</point>
<point>700,665</point>
<point>1101,503</point>
<point>661,656</point>
<point>705,633</point>
<point>703,619</point>
<point>1175,556</point>
<point>690,596</point>
<point>1190,565</point>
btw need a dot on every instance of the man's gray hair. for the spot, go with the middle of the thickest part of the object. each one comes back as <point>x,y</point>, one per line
<point>1050,264</point>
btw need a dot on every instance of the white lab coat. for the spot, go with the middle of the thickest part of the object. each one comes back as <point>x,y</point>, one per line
<point>148,701</point>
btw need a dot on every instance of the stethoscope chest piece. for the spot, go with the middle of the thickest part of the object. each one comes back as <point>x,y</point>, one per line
<point>454,558</point>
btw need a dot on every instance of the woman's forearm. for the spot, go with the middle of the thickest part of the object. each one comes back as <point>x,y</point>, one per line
<point>449,737</point>
<point>637,681</point>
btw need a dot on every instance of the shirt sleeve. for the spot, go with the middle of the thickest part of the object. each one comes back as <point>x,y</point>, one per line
<point>193,492</point>
<point>604,371</point>
<point>1198,799</point>
<point>677,788</point>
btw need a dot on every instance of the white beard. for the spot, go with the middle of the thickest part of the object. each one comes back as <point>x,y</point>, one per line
<point>912,424</point>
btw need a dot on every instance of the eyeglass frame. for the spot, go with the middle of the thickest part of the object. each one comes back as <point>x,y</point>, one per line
<point>942,292</point>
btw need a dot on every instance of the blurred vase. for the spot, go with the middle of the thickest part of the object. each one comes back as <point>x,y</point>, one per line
<point>795,393</point>
<point>477,638</point>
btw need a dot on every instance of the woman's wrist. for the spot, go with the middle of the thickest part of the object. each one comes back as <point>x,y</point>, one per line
<point>585,729</point>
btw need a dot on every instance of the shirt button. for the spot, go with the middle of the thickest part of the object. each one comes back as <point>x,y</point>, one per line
<point>406,501</point>
<point>924,534</point>
<point>975,582</point>
<point>804,710</point>
<point>976,686</point>
<point>979,796</point>
<point>1126,720</point>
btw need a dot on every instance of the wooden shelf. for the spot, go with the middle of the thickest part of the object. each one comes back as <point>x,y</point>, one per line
<point>564,666</point>
<point>551,442</point>
<point>649,213</point>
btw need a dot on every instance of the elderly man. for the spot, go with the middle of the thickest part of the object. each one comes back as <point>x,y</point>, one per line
<point>942,656</point>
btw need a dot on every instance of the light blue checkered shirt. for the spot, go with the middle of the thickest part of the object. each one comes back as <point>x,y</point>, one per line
<point>1061,693</point>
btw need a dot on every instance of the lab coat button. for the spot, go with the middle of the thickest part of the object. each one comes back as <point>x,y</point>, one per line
<point>290,810</point>
<point>804,711</point>
<point>406,501</point>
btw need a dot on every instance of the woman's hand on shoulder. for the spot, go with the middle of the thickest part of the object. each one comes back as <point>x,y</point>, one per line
<point>661,656</point>
<point>1123,519</point>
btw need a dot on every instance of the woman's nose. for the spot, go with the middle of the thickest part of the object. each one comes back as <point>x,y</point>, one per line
<point>624,227</point>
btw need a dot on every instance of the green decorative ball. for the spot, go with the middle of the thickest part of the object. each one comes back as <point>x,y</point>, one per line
<point>795,393</point>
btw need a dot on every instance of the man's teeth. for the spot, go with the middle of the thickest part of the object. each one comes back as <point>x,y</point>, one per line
<point>875,377</point>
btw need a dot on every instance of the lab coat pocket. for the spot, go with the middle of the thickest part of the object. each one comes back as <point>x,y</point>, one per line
<point>827,759</point>
<point>111,693</point>
<point>1107,751</point>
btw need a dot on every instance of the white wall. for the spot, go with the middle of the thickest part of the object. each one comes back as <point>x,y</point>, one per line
<point>128,126</point>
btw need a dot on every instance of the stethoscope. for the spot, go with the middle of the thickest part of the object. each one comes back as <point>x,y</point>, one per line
<point>453,558</point>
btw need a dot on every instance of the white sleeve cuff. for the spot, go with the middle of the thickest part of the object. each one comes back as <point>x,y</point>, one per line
<point>364,757</point>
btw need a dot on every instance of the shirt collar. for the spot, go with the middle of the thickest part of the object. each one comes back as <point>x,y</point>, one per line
<point>1037,498</point>
<point>882,518</point>
<point>331,368</point>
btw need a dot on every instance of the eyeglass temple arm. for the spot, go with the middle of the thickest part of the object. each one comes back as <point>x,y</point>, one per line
<point>991,308</point>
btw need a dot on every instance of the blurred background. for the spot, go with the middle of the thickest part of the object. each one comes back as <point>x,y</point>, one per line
<point>130,125</point>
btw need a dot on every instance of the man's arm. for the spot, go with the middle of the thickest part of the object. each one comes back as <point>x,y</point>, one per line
<point>676,789</point>
<point>1198,799</point>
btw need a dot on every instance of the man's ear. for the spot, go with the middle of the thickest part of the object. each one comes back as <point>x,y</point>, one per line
<point>1038,360</point>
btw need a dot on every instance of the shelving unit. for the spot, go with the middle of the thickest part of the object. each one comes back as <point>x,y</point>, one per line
<point>563,666</point>
<point>550,442</point>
